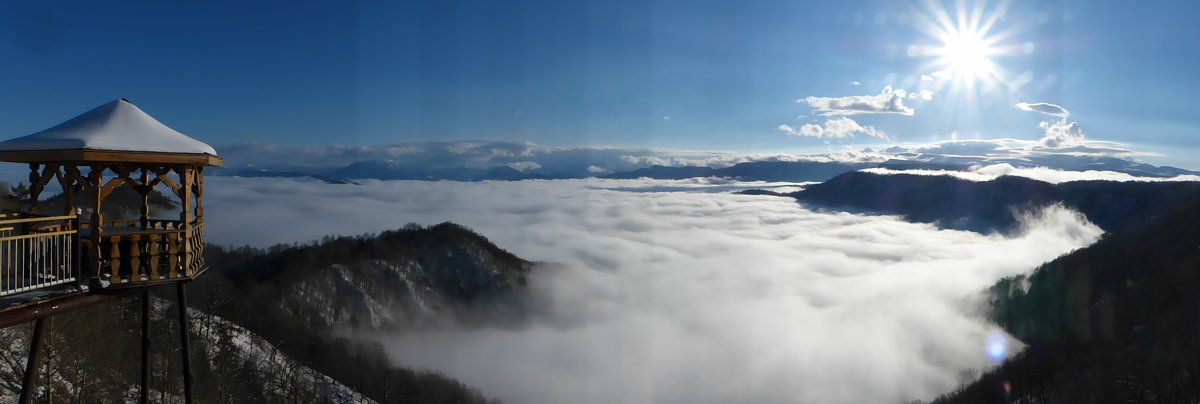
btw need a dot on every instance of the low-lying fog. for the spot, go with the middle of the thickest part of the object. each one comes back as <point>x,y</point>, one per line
<point>689,295</point>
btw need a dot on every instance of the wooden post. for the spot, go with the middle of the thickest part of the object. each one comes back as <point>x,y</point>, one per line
<point>145,189</point>
<point>185,216</point>
<point>67,179</point>
<point>34,189</point>
<point>38,183</point>
<point>200,194</point>
<point>188,397</point>
<point>36,352</point>
<point>96,181</point>
<point>145,346</point>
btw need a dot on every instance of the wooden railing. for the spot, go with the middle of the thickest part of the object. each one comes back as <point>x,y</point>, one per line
<point>130,253</point>
<point>37,252</point>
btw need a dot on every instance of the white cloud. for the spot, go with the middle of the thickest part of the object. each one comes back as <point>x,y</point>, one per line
<point>666,117</point>
<point>855,83</point>
<point>1058,133</point>
<point>890,101</point>
<point>1061,134</point>
<point>598,170</point>
<point>674,297</point>
<point>524,166</point>
<point>837,128</point>
<point>926,78</point>
<point>1044,108</point>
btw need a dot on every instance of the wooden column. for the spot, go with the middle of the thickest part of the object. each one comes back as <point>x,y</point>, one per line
<point>36,352</point>
<point>188,397</point>
<point>34,189</point>
<point>145,399</point>
<point>199,194</point>
<point>38,183</point>
<point>144,188</point>
<point>96,181</point>
<point>185,216</point>
<point>69,179</point>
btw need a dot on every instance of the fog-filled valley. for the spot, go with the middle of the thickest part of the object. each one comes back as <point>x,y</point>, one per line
<point>681,291</point>
<point>873,286</point>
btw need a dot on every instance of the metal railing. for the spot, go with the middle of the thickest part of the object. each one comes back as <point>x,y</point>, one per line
<point>37,252</point>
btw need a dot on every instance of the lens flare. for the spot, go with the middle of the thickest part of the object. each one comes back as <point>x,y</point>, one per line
<point>997,347</point>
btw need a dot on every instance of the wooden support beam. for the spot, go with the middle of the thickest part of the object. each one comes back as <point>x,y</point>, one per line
<point>106,156</point>
<point>36,352</point>
<point>145,399</point>
<point>11,317</point>
<point>188,395</point>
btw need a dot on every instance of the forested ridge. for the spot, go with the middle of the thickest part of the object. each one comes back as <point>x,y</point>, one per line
<point>1115,322</point>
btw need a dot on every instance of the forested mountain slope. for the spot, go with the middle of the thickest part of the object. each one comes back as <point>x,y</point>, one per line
<point>1118,321</point>
<point>990,206</point>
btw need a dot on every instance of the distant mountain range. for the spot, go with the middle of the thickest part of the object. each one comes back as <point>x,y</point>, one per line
<point>801,171</point>
<point>796,171</point>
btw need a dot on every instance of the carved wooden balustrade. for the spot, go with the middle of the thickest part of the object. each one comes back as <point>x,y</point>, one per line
<point>134,252</point>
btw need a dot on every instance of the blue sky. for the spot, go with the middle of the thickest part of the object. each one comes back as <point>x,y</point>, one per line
<point>706,75</point>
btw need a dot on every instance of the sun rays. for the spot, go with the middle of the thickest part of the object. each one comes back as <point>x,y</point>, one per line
<point>968,44</point>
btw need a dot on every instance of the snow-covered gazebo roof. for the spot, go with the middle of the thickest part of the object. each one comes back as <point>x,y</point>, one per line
<point>115,132</point>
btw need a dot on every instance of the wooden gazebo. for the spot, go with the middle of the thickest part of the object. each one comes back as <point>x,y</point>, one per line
<point>65,253</point>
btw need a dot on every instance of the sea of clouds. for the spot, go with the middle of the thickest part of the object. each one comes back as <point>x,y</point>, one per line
<point>680,291</point>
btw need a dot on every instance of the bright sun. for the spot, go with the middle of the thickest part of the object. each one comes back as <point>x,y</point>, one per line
<point>966,54</point>
<point>966,46</point>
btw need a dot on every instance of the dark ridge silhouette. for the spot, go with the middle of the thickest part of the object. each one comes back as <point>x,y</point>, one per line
<point>1112,322</point>
<point>991,206</point>
<point>305,299</point>
<point>760,192</point>
<point>921,165</point>
<point>290,174</point>
<point>666,173</point>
